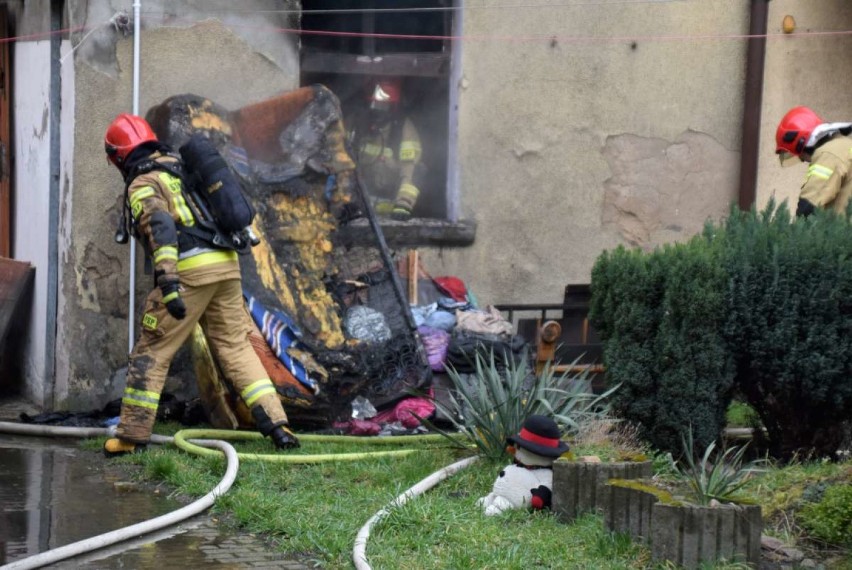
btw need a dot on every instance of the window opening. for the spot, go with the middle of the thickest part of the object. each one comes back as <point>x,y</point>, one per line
<point>352,65</point>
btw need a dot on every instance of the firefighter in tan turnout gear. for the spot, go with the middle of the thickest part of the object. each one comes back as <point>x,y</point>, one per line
<point>802,136</point>
<point>388,151</point>
<point>195,282</point>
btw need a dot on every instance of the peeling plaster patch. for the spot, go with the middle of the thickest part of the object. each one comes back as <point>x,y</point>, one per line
<point>98,282</point>
<point>86,292</point>
<point>661,190</point>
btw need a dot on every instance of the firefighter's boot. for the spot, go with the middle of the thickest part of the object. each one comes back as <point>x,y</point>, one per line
<point>283,438</point>
<point>115,447</point>
<point>271,421</point>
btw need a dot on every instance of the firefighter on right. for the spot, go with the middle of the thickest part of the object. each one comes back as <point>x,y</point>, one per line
<point>387,150</point>
<point>802,136</point>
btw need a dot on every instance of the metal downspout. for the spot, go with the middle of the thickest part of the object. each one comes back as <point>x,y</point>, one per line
<point>755,60</point>
<point>131,305</point>
<point>49,395</point>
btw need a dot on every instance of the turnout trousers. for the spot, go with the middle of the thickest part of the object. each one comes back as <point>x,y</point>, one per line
<point>220,310</point>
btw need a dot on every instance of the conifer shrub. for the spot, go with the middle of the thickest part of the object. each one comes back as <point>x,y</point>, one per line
<point>660,316</point>
<point>760,305</point>
<point>789,327</point>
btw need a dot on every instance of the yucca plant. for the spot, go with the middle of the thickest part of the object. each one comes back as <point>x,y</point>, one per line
<point>493,406</point>
<point>720,477</point>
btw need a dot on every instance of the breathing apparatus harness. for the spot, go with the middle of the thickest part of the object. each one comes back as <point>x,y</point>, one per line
<point>222,214</point>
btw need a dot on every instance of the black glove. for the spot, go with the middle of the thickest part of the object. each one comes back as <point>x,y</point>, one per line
<point>804,208</point>
<point>171,297</point>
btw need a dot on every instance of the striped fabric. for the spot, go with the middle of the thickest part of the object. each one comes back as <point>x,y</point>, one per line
<point>280,333</point>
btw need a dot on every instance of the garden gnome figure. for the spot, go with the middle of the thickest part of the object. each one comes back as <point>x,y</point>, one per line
<point>527,482</point>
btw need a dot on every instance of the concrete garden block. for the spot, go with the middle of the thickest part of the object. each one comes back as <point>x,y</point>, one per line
<point>580,487</point>
<point>691,535</point>
<point>629,511</point>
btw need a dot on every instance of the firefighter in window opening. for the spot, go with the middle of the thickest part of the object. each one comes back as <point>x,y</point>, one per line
<point>195,282</point>
<point>388,151</point>
<point>803,136</point>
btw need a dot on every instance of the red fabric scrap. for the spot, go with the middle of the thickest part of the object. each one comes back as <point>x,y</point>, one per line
<point>452,287</point>
<point>359,427</point>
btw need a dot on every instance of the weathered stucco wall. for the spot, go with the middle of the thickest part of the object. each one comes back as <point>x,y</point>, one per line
<point>573,145</point>
<point>802,69</point>
<point>207,59</point>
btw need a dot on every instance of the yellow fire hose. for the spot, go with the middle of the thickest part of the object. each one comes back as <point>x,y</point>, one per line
<point>182,437</point>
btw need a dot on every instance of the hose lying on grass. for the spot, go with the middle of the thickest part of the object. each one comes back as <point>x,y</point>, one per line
<point>359,552</point>
<point>188,440</point>
<point>181,440</point>
<point>132,531</point>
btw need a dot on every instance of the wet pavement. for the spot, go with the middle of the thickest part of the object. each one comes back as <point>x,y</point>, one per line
<point>53,493</point>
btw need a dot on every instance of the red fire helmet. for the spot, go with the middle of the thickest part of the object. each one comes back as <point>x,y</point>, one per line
<point>124,134</point>
<point>793,133</point>
<point>386,93</point>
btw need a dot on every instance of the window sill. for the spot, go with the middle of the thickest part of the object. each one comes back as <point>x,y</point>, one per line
<point>416,232</point>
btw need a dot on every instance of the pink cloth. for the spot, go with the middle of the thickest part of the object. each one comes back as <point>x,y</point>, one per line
<point>406,412</point>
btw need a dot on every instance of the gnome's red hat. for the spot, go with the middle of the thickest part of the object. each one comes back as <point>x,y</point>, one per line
<point>540,435</point>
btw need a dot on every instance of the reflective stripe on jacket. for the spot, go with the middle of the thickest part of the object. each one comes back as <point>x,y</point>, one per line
<point>828,182</point>
<point>158,205</point>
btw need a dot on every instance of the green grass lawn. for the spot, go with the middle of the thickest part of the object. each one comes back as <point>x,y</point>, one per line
<point>314,511</point>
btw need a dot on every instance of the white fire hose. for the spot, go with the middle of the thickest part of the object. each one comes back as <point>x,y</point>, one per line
<point>359,555</point>
<point>128,532</point>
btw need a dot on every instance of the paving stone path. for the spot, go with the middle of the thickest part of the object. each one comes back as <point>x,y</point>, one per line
<point>200,543</point>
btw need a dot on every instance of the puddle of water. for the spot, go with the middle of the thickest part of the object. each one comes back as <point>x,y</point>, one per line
<point>52,493</point>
